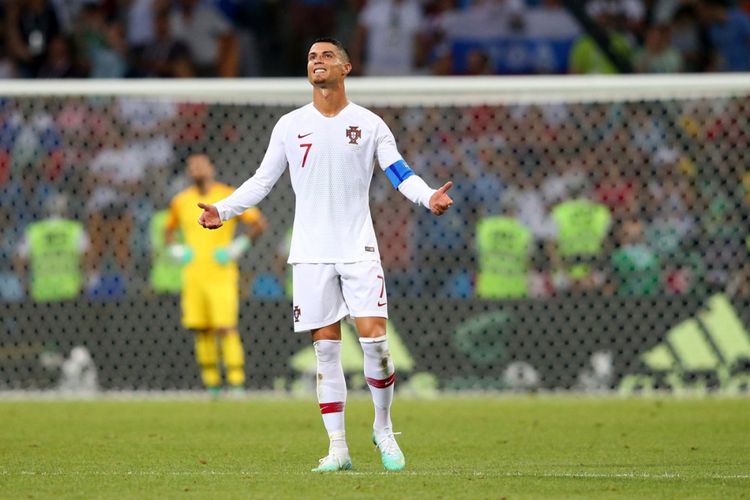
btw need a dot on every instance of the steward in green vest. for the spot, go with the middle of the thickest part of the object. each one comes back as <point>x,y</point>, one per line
<point>582,226</point>
<point>54,256</point>
<point>166,272</point>
<point>504,245</point>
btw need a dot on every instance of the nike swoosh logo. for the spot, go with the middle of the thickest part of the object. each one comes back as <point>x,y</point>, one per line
<point>381,304</point>
<point>300,136</point>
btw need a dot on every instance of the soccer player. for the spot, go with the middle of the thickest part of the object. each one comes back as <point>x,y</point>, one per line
<point>210,295</point>
<point>330,146</point>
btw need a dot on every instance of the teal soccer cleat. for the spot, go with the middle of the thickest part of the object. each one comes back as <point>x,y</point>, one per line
<point>334,462</point>
<point>391,455</point>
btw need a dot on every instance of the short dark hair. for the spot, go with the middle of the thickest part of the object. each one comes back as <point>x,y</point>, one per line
<point>337,43</point>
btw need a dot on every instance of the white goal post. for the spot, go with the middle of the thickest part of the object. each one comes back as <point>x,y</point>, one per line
<point>449,91</point>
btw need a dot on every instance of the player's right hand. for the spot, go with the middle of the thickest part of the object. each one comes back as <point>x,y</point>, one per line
<point>210,218</point>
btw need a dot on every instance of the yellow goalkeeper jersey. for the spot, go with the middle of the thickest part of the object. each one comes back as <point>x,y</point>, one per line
<point>184,213</point>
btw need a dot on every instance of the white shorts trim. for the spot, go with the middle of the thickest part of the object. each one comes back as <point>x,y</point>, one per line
<point>326,293</point>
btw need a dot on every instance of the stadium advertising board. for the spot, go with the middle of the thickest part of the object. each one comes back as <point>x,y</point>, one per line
<point>587,344</point>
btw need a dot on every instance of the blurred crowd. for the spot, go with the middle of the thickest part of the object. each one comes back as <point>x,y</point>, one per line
<point>627,199</point>
<point>614,198</point>
<point>231,38</point>
<point>636,199</point>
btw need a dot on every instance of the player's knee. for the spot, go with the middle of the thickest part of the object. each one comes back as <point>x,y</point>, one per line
<point>373,331</point>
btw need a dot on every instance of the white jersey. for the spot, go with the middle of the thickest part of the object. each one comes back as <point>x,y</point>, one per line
<point>331,162</point>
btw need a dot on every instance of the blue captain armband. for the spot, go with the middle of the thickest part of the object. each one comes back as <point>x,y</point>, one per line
<point>398,172</point>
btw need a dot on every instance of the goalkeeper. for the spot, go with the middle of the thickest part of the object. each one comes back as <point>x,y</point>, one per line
<point>210,293</point>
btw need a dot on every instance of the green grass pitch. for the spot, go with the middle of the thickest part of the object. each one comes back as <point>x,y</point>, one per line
<point>504,447</point>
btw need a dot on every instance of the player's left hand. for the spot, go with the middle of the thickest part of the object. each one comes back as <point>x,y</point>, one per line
<point>440,201</point>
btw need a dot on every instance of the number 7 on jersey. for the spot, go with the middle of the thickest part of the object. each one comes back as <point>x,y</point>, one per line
<point>307,150</point>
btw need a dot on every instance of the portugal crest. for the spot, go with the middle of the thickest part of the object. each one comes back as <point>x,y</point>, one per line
<point>353,134</point>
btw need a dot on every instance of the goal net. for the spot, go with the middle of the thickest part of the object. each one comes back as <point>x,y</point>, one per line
<point>598,241</point>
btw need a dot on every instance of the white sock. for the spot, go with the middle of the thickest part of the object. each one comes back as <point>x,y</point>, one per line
<point>331,391</point>
<point>380,375</point>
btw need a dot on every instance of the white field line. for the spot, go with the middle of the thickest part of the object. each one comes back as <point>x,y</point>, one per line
<point>487,475</point>
<point>271,395</point>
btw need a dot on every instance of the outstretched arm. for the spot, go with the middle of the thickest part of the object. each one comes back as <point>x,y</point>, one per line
<point>253,190</point>
<point>416,189</point>
<point>404,179</point>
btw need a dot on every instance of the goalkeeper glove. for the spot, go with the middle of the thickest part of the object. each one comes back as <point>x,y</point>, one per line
<point>232,251</point>
<point>180,253</point>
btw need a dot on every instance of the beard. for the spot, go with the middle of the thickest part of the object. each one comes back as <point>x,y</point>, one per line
<point>201,183</point>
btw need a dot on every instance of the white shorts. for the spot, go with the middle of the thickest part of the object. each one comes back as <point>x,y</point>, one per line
<point>326,293</point>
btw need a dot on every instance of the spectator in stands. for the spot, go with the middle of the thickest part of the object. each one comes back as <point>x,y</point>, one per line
<point>635,270</point>
<point>478,63</point>
<point>587,58</point>
<point>729,31</point>
<point>485,168</point>
<point>482,20</point>
<point>567,176</point>
<point>150,125</point>
<point>720,210</point>
<point>103,51</point>
<point>628,16</point>
<point>616,189</point>
<point>308,21</point>
<point>209,36</point>
<point>150,133</point>
<point>34,142</point>
<point>657,55</point>
<point>59,61</point>
<point>532,210</point>
<point>389,40</point>
<point>26,193</point>
<point>78,122</point>
<point>49,257</point>
<point>395,226</point>
<point>115,176</point>
<point>671,203</point>
<point>671,229</point>
<point>140,26</point>
<point>443,251</point>
<point>347,15</point>
<point>550,19</point>
<point>32,24</point>
<point>158,58</point>
<point>689,38</point>
<point>191,127</point>
<point>7,64</point>
<point>11,289</point>
<point>68,12</point>
<point>645,130</point>
<point>442,61</point>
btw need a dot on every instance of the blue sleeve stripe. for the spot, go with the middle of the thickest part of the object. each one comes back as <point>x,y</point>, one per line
<point>398,172</point>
